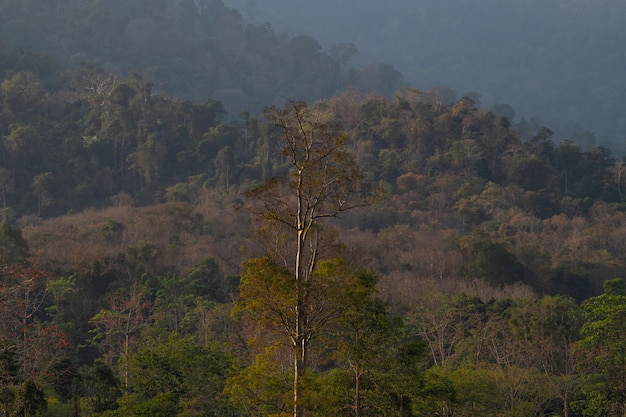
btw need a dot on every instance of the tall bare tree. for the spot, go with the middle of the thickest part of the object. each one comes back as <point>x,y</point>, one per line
<point>322,182</point>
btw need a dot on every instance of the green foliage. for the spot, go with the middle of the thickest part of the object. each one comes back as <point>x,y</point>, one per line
<point>436,394</point>
<point>65,380</point>
<point>13,247</point>
<point>495,264</point>
<point>603,346</point>
<point>262,388</point>
<point>333,393</point>
<point>178,298</point>
<point>380,370</point>
<point>176,377</point>
<point>161,405</point>
<point>7,398</point>
<point>267,292</point>
<point>9,365</point>
<point>101,387</point>
<point>207,280</point>
<point>476,392</point>
<point>29,400</point>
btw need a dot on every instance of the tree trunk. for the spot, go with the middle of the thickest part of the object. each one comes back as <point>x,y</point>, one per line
<point>126,355</point>
<point>298,355</point>
<point>357,391</point>
<point>299,339</point>
<point>298,369</point>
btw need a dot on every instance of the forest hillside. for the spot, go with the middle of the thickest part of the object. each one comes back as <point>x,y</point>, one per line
<point>194,50</point>
<point>401,254</point>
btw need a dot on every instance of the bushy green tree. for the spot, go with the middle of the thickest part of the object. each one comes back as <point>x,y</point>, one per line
<point>176,377</point>
<point>603,346</point>
<point>13,247</point>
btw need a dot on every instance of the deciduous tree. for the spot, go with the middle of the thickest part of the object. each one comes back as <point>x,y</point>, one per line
<point>116,327</point>
<point>22,294</point>
<point>322,182</point>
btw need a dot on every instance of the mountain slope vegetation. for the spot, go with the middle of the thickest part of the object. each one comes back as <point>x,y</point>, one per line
<point>480,276</point>
<point>192,50</point>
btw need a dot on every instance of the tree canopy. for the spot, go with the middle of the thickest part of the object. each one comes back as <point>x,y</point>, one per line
<point>413,255</point>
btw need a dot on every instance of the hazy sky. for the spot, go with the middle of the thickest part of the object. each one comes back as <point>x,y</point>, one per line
<point>556,59</point>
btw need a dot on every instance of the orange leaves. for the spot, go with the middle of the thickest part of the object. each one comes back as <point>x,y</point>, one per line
<point>267,293</point>
<point>129,311</point>
<point>35,342</point>
<point>22,292</point>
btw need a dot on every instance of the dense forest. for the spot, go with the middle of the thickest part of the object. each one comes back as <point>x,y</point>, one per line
<point>191,49</point>
<point>401,253</point>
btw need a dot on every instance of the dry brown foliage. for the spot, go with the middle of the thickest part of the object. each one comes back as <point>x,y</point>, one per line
<point>180,235</point>
<point>403,289</point>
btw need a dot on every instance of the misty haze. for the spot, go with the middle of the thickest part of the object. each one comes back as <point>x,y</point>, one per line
<point>271,208</point>
<point>560,61</point>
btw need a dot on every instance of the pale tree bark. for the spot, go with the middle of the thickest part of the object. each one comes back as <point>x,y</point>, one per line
<point>322,183</point>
